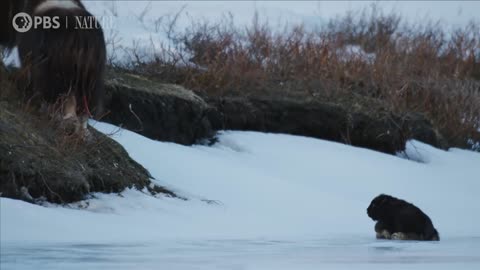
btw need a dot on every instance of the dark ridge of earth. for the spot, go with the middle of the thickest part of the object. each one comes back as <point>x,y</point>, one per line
<point>168,112</point>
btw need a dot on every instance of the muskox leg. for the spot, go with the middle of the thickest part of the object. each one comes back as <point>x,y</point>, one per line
<point>73,122</point>
<point>70,108</point>
<point>8,9</point>
<point>68,118</point>
<point>399,236</point>
<point>384,234</point>
<point>83,126</point>
<point>407,236</point>
<point>382,230</point>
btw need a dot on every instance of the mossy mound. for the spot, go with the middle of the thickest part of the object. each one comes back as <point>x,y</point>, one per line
<point>39,162</point>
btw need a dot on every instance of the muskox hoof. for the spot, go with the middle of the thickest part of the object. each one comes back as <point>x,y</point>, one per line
<point>70,126</point>
<point>384,235</point>
<point>399,236</point>
<point>77,127</point>
<point>86,135</point>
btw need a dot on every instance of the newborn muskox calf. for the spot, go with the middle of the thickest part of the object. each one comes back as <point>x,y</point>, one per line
<point>400,220</point>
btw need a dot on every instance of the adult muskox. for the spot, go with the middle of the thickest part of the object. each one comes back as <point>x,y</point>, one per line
<point>400,220</point>
<point>62,56</point>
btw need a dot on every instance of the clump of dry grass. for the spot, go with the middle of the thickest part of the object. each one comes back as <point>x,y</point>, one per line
<point>415,68</point>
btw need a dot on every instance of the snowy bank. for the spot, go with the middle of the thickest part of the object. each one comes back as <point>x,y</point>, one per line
<point>262,185</point>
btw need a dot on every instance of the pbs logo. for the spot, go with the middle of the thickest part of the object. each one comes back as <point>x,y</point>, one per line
<point>22,22</point>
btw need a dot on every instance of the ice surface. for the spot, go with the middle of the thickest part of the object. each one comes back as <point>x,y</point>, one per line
<point>262,254</point>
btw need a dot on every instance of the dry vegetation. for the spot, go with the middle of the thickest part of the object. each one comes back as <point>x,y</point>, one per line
<point>372,56</point>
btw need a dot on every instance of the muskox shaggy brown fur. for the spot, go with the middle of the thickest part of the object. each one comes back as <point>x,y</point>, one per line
<point>8,9</point>
<point>400,220</point>
<point>65,65</point>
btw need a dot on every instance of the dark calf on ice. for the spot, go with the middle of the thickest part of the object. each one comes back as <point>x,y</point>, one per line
<point>65,64</point>
<point>400,220</point>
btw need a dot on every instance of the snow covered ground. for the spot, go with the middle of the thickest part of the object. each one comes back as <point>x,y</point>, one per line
<point>281,202</point>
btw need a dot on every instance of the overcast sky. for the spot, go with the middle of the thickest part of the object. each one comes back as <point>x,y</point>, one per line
<point>450,12</point>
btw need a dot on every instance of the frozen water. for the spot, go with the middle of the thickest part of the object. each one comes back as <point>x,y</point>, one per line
<point>328,253</point>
